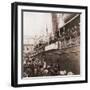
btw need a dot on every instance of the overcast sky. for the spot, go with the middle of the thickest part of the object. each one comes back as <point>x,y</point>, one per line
<point>35,23</point>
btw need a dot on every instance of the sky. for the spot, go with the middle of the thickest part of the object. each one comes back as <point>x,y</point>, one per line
<point>35,23</point>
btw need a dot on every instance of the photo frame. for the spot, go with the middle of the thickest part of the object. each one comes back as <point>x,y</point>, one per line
<point>48,43</point>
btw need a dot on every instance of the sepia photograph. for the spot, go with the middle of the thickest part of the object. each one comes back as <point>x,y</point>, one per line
<point>49,44</point>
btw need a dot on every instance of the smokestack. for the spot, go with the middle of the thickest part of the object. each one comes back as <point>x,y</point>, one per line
<point>54,22</point>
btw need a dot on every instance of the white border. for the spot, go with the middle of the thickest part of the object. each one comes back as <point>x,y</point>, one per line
<point>82,48</point>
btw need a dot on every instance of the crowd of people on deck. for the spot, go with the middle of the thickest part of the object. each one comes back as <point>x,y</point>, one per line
<point>70,36</point>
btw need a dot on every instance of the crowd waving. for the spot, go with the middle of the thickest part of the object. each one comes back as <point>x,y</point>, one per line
<point>38,67</point>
